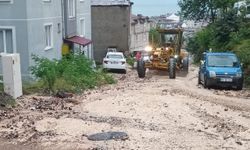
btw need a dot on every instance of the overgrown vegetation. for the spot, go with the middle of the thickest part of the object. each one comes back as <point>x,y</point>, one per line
<point>228,29</point>
<point>6,101</point>
<point>73,73</point>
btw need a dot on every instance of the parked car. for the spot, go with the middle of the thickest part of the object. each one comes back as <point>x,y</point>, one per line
<point>220,69</point>
<point>115,61</point>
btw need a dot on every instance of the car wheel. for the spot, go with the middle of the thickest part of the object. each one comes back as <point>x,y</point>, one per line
<point>239,87</point>
<point>141,69</point>
<point>171,67</point>
<point>124,71</point>
<point>205,83</point>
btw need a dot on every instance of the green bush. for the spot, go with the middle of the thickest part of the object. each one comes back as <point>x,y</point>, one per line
<point>46,70</point>
<point>247,81</point>
<point>243,51</point>
<point>72,73</point>
<point>131,61</point>
<point>1,87</point>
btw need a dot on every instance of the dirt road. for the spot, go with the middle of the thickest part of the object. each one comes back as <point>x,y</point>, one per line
<point>157,114</point>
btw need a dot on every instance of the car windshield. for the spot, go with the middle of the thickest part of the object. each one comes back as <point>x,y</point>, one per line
<point>114,56</point>
<point>222,61</point>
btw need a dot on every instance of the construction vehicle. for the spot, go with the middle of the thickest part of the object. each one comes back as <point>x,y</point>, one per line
<point>169,56</point>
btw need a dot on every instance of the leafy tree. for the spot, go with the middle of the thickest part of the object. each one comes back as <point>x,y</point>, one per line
<point>222,29</point>
<point>200,43</point>
<point>204,9</point>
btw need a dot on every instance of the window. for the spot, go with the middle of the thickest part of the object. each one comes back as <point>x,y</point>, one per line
<point>145,37</point>
<point>222,61</point>
<point>7,44</point>
<point>6,1</point>
<point>248,9</point>
<point>114,56</point>
<point>71,8</point>
<point>82,27</point>
<point>48,36</point>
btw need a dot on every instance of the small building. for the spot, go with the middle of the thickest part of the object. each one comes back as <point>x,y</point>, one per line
<point>110,26</point>
<point>139,33</point>
<point>167,21</point>
<point>243,5</point>
<point>191,27</point>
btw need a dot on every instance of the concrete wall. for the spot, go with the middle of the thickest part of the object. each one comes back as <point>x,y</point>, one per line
<point>15,15</point>
<point>110,28</point>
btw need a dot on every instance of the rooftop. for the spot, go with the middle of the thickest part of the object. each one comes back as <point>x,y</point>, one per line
<point>110,2</point>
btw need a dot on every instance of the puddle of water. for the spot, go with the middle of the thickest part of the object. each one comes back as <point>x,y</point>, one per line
<point>108,136</point>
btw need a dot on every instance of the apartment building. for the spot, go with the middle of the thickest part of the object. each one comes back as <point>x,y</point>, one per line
<point>40,27</point>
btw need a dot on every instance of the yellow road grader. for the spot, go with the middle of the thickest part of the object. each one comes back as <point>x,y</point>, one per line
<point>169,56</point>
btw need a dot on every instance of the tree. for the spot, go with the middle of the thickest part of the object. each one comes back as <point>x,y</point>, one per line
<point>204,9</point>
<point>197,10</point>
<point>200,43</point>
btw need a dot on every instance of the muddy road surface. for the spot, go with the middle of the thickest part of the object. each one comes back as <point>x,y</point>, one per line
<point>155,113</point>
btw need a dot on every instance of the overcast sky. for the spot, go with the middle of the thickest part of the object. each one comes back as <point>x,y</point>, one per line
<point>154,7</point>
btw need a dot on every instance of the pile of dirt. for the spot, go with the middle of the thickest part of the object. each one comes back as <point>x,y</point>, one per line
<point>6,100</point>
<point>18,124</point>
<point>43,103</point>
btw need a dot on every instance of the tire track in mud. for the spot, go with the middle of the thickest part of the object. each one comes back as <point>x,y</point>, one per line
<point>222,126</point>
<point>122,122</point>
<point>219,100</point>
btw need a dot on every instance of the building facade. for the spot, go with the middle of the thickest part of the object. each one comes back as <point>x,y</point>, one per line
<point>139,33</point>
<point>38,27</point>
<point>84,24</point>
<point>167,21</point>
<point>110,26</point>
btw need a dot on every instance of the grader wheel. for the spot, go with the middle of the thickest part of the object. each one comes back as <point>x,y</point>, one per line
<point>185,64</point>
<point>172,68</point>
<point>141,69</point>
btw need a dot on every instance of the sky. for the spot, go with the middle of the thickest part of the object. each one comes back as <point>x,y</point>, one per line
<point>154,7</point>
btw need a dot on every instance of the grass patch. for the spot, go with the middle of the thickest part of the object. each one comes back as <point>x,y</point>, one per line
<point>1,87</point>
<point>33,87</point>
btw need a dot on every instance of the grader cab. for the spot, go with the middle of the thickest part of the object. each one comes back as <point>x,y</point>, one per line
<point>169,56</point>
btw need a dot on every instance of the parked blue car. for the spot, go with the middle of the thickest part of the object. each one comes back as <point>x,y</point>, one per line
<point>220,69</point>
